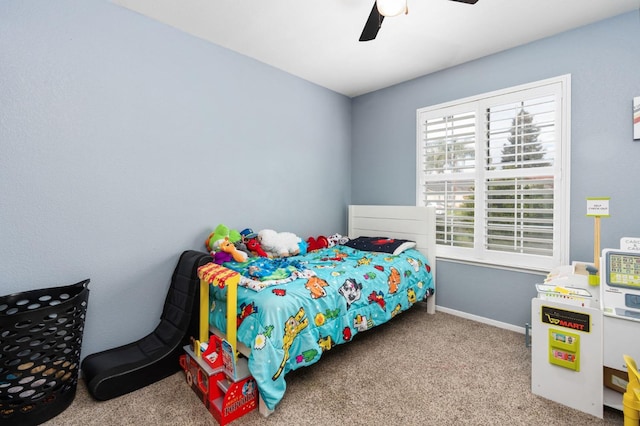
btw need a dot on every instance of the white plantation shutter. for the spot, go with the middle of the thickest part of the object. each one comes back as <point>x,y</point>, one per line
<point>519,215</point>
<point>448,170</point>
<point>496,169</point>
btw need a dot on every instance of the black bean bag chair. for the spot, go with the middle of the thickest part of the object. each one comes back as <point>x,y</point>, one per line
<point>114,372</point>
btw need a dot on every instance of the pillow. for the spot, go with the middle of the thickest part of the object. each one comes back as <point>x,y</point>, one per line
<point>380,244</point>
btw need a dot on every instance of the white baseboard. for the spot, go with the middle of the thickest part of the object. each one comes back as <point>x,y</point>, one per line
<point>483,320</point>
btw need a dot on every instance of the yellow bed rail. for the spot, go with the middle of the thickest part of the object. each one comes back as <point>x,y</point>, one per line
<point>212,273</point>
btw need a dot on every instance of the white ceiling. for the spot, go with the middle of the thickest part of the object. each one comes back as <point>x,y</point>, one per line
<point>318,40</point>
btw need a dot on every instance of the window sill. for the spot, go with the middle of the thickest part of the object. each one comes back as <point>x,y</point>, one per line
<point>494,266</point>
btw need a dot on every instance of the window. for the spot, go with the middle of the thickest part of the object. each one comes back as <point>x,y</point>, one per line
<point>496,167</point>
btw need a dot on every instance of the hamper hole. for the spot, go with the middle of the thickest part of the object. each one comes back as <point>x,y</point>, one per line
<point>22,324</point>
<point>27,393</point>
<point>8,334</point>
<point>38,396</point>
<point>36,355</point>
<point>23,353</point>
<point>26,380</point>
<point>38,369</point>
<point>38,383</point>
<point>37,329</point>
<point>15,389</point>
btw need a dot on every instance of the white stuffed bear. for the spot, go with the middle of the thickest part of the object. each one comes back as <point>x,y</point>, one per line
<point>279,244</point>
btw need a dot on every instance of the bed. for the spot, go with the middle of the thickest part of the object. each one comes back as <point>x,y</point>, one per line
<point>340,292</point>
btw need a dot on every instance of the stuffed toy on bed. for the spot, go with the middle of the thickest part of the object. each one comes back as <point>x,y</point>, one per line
<point>279,244</point>
<point>228,247</point>
<point>336,239</point>
<point>213,240</point>
<point>255,248</point>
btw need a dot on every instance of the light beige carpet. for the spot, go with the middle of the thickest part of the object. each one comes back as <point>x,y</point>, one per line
<point>418,369</point>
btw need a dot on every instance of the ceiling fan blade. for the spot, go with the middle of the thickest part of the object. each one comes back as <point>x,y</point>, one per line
<point>467,1</point>
<point>371,27</point>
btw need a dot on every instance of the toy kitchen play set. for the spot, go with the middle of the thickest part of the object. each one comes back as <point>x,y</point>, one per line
<point>584,319</point>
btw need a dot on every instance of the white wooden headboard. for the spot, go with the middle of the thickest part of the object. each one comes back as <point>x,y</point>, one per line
<point>406,222</point>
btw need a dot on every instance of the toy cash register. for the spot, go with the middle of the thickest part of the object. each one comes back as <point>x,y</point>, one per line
<point>620,278</point>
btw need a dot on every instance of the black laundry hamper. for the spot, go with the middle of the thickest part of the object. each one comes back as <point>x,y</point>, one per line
<point>40,341</point>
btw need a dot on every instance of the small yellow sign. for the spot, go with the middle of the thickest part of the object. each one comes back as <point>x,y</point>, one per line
<point>598,206</point>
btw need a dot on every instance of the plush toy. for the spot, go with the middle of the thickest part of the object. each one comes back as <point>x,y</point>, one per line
<point>227,246</point>
<point>336,239</point>
<point>254,246</point>
<point>279,244</point>
<point>221,257</point>
<point>317,244</point>
<point>247,234</point>
<point>213,240</point>
<point>302,245</point>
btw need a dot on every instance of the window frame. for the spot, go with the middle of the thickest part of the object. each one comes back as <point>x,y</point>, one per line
<point>560,87</point>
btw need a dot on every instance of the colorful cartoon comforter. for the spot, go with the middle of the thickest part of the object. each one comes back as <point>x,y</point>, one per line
<point>290,325</point>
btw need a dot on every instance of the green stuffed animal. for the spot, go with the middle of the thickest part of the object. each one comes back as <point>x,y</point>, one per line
<point>219,234</point>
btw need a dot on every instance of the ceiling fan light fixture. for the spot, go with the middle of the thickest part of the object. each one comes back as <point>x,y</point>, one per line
<point>391,7</point>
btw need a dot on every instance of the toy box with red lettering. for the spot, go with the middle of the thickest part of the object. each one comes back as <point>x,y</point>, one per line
<point>222,383</point>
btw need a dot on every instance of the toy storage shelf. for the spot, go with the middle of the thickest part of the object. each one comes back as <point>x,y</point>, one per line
<point>225,397</point>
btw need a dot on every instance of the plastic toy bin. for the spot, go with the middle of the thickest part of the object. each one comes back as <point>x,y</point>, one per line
<point>40,341</point>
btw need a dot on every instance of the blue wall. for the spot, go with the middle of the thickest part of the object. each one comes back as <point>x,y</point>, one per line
<point>603,60</point>
<point>124,142</point>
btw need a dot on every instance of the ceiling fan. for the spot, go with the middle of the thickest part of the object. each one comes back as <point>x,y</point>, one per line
<point>388,8</point>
